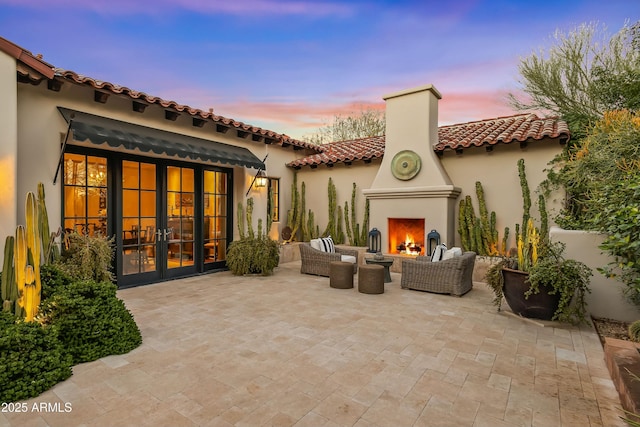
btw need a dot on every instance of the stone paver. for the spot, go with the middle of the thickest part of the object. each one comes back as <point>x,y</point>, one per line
<point>221,350</point>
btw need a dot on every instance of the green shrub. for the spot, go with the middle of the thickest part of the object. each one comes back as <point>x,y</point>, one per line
<point>87,257</point>
<point>53,278</point>
<point>634,331</point>
<point>32,359</point>
<point>259,255</point>
<point>92,322</point>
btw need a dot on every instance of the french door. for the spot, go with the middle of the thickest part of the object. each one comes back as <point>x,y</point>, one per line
<point>169,219</point>
<point>173,222</point>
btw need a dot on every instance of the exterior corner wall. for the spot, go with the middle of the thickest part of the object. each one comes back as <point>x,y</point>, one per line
<point>8,146</point>
<point>606,299</point>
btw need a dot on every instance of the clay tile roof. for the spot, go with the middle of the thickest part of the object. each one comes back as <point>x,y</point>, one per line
<point>365,149</point>
<point>31,68</point>
<point>518,128</point>
<point>280,139</point>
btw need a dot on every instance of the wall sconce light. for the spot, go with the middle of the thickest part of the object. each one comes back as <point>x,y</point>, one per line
<point>261,179</point>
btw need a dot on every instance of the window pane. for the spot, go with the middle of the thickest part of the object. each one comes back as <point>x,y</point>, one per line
<point>74,202</point>
<point>147,176</point>
<point>130,203</point>
<point>130,173</point>
<point>187,180</point>
<point>97,171</point>
<point>209,181</point>
<point>173,178</point>
<point>148,203</point>
<point>74,169</point>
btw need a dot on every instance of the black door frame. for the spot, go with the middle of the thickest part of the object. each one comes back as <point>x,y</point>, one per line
<point>114,214</point>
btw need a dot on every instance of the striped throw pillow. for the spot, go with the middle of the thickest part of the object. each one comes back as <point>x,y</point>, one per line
<point>327,244</point>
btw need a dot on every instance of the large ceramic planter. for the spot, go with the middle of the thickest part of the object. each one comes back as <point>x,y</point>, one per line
<point>538,306</point>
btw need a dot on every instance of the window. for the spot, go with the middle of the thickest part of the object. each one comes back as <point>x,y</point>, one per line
<point>274,189</point>
<point>85,194</point>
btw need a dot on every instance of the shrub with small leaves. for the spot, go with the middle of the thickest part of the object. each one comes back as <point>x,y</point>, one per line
<point>634,331</point>
<point>92,322</point>
<point>32,359</point>
<point>259,255</point>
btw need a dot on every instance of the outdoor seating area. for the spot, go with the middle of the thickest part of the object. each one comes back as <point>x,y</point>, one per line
<point>278,350</point>
<point>452,276</point>
<point>316,261</point>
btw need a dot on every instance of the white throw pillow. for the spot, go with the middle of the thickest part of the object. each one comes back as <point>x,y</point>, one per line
<point>315,244</point>
<point>438,252</point>
<point>451,253</point>
<point>348,258</point>
<point>327,244</point>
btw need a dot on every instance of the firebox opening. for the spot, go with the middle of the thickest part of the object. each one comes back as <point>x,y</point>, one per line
<point>406,236</point>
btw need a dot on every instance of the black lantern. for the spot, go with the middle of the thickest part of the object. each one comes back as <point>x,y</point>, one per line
<point>375,241</point>
<point>434,240</point>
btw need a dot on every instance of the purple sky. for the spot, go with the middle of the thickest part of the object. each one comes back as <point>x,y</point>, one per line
<point>291,65</point>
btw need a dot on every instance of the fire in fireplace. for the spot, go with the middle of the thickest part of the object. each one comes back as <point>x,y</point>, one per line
<point>406,235</point>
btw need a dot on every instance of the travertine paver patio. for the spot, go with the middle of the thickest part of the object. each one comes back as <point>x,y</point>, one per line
<point>221,350</point>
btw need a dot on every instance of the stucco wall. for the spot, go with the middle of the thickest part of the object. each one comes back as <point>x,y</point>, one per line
<point>41,129</point>
<point>8,145</point>
<point>316,188</point>
<point>606,299</point>
<point>498,173</point>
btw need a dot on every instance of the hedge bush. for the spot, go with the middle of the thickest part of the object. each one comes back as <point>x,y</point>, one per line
<point>32,359</point>
<point>92,322</point>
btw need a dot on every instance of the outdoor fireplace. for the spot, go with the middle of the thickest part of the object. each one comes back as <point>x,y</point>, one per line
<point>406,235</point>
<point>411,180</point>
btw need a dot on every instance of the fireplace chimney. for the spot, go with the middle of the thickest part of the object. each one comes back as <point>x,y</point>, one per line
<point>410,170</point>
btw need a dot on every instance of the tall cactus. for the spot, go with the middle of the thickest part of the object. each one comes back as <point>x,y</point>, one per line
<point>339,229</point>
<point>479,234</point>
<point>526,194</point>
<point>240,220</point>
<point>250,232</point>
<point>20,264</point>
<point>294,216</point>
<point>347,224</point>
<point>331,225</point>
<point>9,285</point>
<point>33,286</point>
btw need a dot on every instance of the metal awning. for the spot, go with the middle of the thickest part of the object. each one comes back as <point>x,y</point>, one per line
<point>128,136</point>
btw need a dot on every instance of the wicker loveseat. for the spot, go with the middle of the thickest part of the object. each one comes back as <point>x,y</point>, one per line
<point>317,262</point>
<point>452,276</point>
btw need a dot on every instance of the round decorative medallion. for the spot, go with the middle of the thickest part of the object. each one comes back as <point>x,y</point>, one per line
<point>405,165</point>
<point>286,233</point>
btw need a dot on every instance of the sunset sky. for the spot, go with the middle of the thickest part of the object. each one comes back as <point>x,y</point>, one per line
<point>291,65</point>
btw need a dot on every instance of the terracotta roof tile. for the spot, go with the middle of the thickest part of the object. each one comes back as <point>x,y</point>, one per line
<point>518,128</point>
<point>365,149</point>
<point>280,139</point>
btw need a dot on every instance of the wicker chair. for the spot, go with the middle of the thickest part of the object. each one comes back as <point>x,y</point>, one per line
<point>317,262</point>
<point>452,276</point>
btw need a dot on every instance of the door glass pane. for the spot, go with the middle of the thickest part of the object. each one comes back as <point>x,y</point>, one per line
<point>215,212</point>
<point>180,213</point>
<point>138,217</point>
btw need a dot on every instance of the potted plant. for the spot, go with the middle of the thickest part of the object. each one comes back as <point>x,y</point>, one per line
<point>539,282</point>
